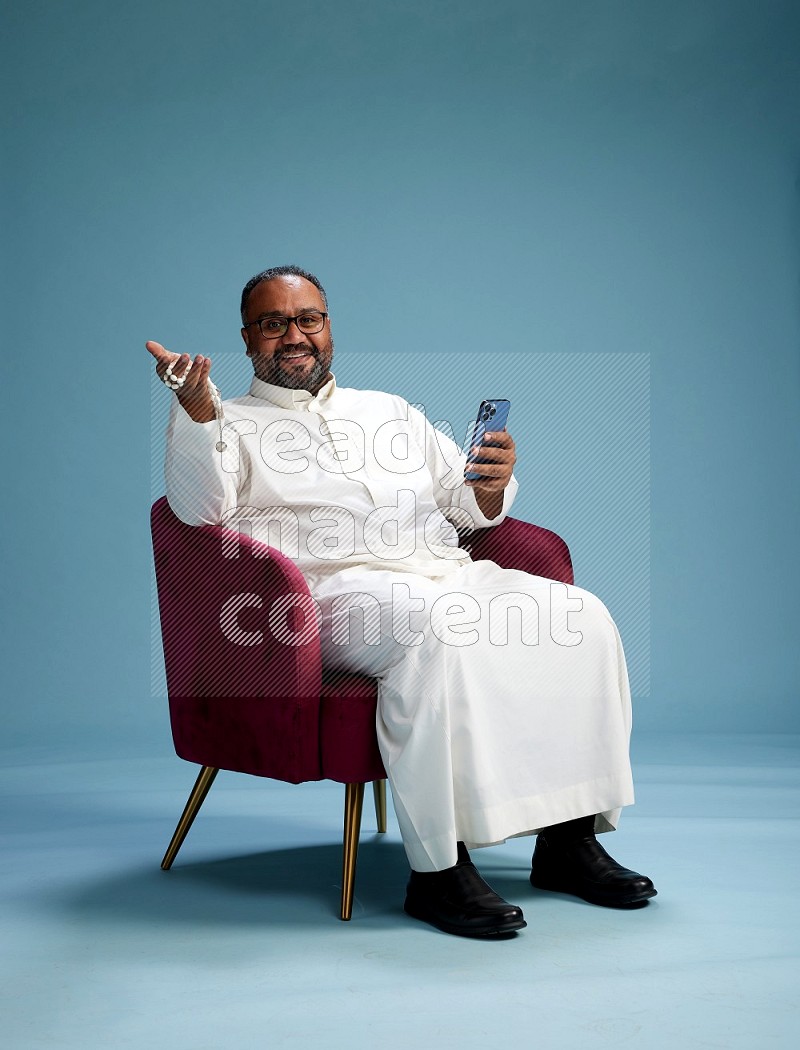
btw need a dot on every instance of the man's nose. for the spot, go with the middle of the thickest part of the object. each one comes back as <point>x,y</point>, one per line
<point>293,334</point>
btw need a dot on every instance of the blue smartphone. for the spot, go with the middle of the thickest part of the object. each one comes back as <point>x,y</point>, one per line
<point>492,415</point>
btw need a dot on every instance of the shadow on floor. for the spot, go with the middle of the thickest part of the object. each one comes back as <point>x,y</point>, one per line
<point>294,887</point>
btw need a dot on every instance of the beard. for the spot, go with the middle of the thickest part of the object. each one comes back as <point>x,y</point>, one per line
<point>272,371</point>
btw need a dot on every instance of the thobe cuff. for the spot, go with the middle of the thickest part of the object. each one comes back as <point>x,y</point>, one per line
<point>468,501</point>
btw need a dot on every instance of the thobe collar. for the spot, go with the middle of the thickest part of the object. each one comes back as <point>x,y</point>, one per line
<point>299,400</point>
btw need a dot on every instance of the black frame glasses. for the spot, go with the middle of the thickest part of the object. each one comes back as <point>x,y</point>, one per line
<point>316,318</point>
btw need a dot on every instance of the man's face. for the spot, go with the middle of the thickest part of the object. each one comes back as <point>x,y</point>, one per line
<point>294,359</point>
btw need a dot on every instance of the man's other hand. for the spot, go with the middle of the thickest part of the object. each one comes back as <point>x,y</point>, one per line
<point>497,448</point>
<point>194,395</point>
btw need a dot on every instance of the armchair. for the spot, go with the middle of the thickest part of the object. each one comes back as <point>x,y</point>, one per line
<point>254,704</point>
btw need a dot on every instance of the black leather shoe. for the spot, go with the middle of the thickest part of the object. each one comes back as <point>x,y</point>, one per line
<point>458,901</point>
<point>583,868</point>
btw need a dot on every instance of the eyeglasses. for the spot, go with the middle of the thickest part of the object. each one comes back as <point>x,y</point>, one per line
<point>309,323</point>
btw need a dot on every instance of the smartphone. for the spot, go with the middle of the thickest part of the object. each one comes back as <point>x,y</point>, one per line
<point>492,415</point>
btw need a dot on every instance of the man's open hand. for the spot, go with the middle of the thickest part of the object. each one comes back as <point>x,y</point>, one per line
<point>194,395</point>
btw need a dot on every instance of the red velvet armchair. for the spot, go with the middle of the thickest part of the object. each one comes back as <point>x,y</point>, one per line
<point>243,700</point>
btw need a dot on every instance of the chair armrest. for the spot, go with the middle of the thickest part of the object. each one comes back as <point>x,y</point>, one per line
<point>229,674</point>
<point>516,544</point>
<point>216,590</point>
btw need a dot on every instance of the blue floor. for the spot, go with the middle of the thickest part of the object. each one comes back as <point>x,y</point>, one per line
<point>240,946</point>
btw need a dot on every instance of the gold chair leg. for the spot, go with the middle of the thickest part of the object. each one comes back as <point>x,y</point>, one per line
<point>201,788</point>
<point>353,800</point>
<point>379,791</point>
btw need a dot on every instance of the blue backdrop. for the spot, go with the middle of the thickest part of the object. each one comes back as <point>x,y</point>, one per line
<point>607,191</point>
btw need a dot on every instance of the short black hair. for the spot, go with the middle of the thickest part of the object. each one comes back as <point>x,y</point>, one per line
<point>279,271</point>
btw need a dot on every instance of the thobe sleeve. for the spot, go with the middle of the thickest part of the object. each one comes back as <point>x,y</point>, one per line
<point>446,462</point>
<point>199,490</point>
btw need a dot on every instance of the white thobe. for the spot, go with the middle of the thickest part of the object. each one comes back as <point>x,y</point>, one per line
<point>503,698</point>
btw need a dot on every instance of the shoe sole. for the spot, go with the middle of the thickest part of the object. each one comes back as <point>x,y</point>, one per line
<point>606,902</point>
<point>497,932</point>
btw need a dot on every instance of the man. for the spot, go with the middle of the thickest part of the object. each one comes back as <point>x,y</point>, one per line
<point>484,735</point>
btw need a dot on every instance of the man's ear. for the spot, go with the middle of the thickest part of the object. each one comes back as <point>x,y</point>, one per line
<point>243,333</point>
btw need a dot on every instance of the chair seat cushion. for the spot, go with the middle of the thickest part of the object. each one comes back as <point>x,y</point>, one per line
<point>348,744</point>
<point>275,737</point>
